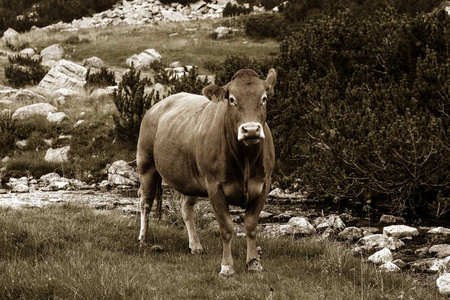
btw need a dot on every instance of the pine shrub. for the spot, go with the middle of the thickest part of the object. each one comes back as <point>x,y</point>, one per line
<point>24,70</point>
<point>101,79</point>
<point>132,103</point>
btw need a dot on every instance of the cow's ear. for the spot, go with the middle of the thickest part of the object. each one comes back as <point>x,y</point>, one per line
<point>215,93</point>
<point>270,81</point>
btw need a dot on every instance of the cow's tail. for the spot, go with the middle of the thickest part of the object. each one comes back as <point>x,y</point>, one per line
<point>159,192</point>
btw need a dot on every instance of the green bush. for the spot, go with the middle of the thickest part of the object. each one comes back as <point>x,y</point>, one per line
<point>24,70</point>
<point>188,83</point>
<point>232,10</point>
<point>131,103</point>
<point>266,25</point>
<point>101,79</point>
<point>361,109</point>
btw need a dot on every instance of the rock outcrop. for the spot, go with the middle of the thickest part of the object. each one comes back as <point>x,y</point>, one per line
<point>65,74</point>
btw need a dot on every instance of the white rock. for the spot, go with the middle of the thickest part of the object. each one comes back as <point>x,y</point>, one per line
<point>54,52</point>
<point>444,265</point>
<point>389,267</point>
<point>440,250</point>
<point>222,31</point>
<point>49,178</point>
<point>65,74</point>
<point>443,284</point>
<point>331,221</point>
<point>350,234</point>
<point>27,52</point>
<point>9,33</point>
<point>93,62</point>
<point>400,231</point>
<point>144,59</point>
<point>59,185</point>
<point>28,111</point>
<point>78,123</point>
<point>381,257</point>
<point>439,230</point>
<point>66,93</point>
<point>121,173</point>
<point>301,225</point>
<point>21,188</point>
<point>380,241</point>
<point>22,143</point>
<point>56,117</point>
<point>58,155</point>
<point>29,96</point>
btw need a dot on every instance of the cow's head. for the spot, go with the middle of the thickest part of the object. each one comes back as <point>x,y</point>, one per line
<point>246,96</point>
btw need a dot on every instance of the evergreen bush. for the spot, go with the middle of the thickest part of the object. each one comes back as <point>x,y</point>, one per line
<point>132,103</point>
<point>232,10</point>
<point>361,109</point>
<point>265,25</point>
<point>24,70</point>
<point>101,79</point>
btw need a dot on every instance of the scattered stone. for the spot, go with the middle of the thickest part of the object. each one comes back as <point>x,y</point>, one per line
<point>389,219</point>
<point>421,251</point>
<point>56,117</point>
<point>381,257</point>
<point>59,185</point>
<point>28,96</point>
<point>222,31</point>
<point>439,230</point>
<point>444,265</point>
<point>42,109</point>
<point>350,234</point>
<point>22,143</point>
<point>65,74</point>
<point>443,284</point>
<point>21,188</point>
<point>389,267</point>
<point>400,231</point>
<point>27,52</point>
<point>278,193</point>
<point>59,155</point>
<point>301,225</point>
<point>144,59</point>
<point>264,215</point>
<point>9,34</point>
<point>93,62</point>
<point>429,265</point>
<point>399,263</point>
<point>78,123</point>
<point>440,250</point>
<point>121,173</point>
<point>332,221</point>
<point>54,52</point>
<point>380,241</point>
<point>369,230</point>
<point>49,178</point>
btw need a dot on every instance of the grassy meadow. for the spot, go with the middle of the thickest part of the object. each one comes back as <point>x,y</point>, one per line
<point>68,251</point>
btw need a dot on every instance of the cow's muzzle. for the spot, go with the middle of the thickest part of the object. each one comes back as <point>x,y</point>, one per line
<point>250,133</point>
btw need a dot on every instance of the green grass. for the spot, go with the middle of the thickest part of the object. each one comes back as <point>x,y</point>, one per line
<point>73,252</point>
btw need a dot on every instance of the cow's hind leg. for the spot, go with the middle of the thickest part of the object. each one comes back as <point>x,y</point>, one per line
<point>187,209</point>
<point>150,189</point>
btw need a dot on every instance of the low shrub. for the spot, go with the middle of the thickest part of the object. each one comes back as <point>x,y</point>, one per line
<point>132,103</point>
<point>265,25</point>
<point>100,79</point>
<point>24,70</point>
<point>8,129</point>
<point>232,10</point>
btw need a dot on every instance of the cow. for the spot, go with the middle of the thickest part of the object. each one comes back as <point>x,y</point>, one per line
<point>217,146</point>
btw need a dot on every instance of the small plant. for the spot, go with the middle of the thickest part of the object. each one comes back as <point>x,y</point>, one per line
<point>100,79</point>
<point>24,70</point>
<point>132,103</point>
<point>7,133</point>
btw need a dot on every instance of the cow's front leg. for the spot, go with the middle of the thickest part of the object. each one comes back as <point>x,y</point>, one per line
<point>226,227</point>
<point>187,209</point>
<point>250,225</point>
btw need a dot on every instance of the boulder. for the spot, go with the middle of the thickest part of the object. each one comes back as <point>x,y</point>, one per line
<point>300,225</point>
<point>49,178</point>
<point>444,265</point>
<point>28,96</point>
<point>54,52</point>
<point>56,117</point>
<point>440,250</point>
<point>42,109</point>
<point>443,284</point>
<point>222,31</point>
<point>400,231</point>
<point>21,188</point>
<point>93,62</point>
<point>332,221</point>
<point>389,219</point>
<point>9,33</point>
<point>27,52</point>
<point>65,74</point>
<point>58,155</point>
<point>381,257</point>
<point>389,267</point>
<point>350,234</point>
<point>121,173</point>
<point>439,230</point>
<point>380,241</point>
<point>144,59</point>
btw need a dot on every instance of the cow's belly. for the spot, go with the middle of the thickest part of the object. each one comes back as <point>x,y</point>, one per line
<point>234,192</point>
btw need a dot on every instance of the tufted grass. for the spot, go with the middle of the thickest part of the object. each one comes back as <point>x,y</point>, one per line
<point>72,252</point>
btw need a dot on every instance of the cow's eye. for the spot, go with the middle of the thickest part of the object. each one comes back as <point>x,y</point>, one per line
<point>232,100</point>
<point>264,99</point>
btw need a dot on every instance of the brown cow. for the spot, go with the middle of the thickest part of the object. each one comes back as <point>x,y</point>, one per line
<point>222,149</point>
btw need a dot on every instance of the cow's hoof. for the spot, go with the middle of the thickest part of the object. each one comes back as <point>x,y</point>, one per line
<point>254,266</point>
<point>226,271</point>
<point>197,249</point>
